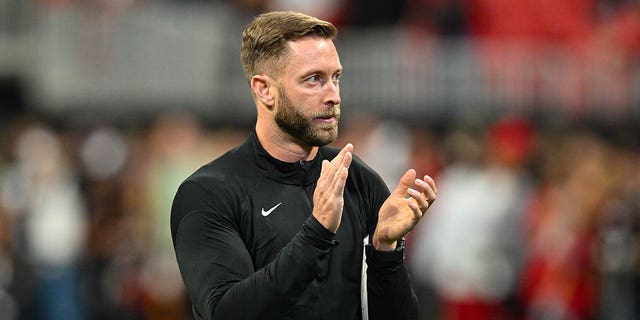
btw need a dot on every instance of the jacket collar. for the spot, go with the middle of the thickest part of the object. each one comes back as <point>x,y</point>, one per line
<point>295,173</point>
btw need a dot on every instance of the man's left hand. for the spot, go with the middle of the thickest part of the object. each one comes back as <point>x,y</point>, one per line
<point>404,208</point>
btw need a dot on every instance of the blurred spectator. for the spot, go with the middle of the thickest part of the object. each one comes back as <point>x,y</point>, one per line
<point>175,146</point>
<point>388,137</point>
<point>469,248</point>
<point>560,277</point>
<point>40,194</point>
<point>172,147</point>
<point>619,240</point>
<point>103,153</point>
<point>8,303</point>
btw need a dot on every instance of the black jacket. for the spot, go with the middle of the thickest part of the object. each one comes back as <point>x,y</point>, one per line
<point>249,248</point>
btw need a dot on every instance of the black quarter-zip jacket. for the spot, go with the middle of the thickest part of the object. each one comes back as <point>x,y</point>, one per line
<point>249,248</point>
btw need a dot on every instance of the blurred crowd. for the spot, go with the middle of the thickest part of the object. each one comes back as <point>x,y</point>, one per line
<point>535,219</point>
<point>84,216</point>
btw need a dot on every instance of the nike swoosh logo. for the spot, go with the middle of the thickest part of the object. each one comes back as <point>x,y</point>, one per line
<point>268,212</point>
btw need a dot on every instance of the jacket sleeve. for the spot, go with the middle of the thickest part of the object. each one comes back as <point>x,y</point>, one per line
<point>389,291</point>
<point>218,270</point>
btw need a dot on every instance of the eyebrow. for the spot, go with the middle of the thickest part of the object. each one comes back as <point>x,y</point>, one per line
<point>319,71</point>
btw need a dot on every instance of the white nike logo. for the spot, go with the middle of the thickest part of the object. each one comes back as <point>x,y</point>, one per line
<point>268,212</point>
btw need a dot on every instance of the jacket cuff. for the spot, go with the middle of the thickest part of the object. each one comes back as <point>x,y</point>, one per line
<point>385,261</point>
<point>317,235</point>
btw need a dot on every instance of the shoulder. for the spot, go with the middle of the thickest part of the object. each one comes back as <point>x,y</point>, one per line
<point>222,177</point>
<point>215,188</point>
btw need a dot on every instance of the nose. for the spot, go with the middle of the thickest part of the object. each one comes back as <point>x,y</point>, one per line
<point>333,93</point>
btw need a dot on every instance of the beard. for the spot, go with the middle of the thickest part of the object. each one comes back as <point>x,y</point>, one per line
<point>292,121</point>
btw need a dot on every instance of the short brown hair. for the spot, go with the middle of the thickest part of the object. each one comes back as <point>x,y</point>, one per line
<point>265,38</point>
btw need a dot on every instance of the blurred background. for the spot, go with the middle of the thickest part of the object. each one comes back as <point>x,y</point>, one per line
<point>527,113</point>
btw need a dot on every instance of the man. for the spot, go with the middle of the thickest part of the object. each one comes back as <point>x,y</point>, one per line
<point>274,229</point>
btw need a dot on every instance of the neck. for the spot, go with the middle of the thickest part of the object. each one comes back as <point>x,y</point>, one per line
<point>281,145</point>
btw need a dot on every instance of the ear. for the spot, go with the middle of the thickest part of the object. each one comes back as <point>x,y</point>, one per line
<point>261,87</point>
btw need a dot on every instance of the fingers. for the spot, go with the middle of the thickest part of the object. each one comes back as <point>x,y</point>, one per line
<point>406,181</point>
<point>340,158</point>
<point>423,195</point>
<point>341,164</point>
<point>428,188</point>
<point>395,219</point>
<point>328,195</point>
<point>331,168</point>
<point>340,175</point>
<point>417,202</point>
<point>431,183</point>
<point>339,167</point>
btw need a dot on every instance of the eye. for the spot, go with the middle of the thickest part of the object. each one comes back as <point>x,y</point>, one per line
<point>313,78</point>
<point>336,77</point>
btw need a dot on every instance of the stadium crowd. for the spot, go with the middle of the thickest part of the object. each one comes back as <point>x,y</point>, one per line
<point>536,219</point>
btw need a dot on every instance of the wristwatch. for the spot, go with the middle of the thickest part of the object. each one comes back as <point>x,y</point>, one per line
<point>395,255</point>
<point>400,245</point>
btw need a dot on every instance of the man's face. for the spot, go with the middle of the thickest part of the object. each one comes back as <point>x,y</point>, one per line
<point>308,104</point>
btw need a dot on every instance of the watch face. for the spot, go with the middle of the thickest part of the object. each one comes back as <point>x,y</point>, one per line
<point>401,244</point>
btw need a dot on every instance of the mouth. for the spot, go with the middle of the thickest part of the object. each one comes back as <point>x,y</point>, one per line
<point>327,118</point>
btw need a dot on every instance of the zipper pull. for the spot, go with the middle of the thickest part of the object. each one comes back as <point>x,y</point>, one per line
<point>303,166</point>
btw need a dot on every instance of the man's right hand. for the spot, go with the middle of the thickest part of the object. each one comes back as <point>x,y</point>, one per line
<point>328,198</point>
